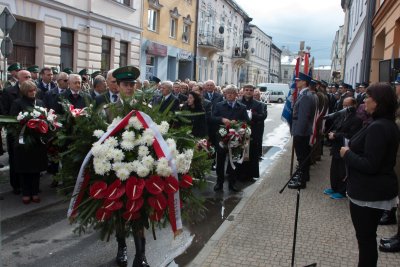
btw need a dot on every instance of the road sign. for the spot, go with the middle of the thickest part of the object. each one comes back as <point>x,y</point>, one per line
<point>7,21</point>
<point>6,46</point>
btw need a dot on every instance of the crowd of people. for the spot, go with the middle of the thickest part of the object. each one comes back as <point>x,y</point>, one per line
<point>211,107</point>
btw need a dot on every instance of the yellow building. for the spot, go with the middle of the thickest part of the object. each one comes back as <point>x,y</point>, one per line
<point>385,40</point>
<point>168,41</point>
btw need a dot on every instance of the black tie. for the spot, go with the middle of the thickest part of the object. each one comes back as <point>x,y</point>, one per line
<point>114,97</point>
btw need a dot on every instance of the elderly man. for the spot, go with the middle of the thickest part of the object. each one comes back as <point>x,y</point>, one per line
<point>225,113</point>
<point>9,95</point>
<point>112,93</point>
<point>74,94</point>
<point>99,86</point>
<point>167,101</point>
<point>52,97</point>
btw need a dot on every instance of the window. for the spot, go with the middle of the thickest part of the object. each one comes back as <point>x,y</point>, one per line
<point>123,56</point>
<point>186,33</point>
<point>285,74</point>
<point>105,53</point>
<point>152,20</point>
<point>172,28</point>
<point>23,35</point>
<point>67,48</point>
<point>124,2</point>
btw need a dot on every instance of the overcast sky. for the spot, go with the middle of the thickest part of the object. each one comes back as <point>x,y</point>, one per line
<point>292,21</point>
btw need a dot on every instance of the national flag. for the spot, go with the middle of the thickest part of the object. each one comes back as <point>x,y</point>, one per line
<point>292,96</point>
<point>306,63</point>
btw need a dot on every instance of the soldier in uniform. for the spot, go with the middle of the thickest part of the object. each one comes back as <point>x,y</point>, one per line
<point>84,73</point>
<point>13,70</point>
<point>34,70</point>
<point>68,71</point>
<point>303,117</point>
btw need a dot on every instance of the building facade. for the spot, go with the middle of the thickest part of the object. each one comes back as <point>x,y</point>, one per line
<point>288,64</point>
<point>337,56</point>
<point>385,63</point>
<point>98,35</point>
<point>357,27</point>
<point>259,47</point>
<point>275,64</point>
<point>222,53</point>
<point>169,40</point>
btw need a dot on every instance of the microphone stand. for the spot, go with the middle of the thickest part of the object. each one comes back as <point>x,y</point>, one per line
<point>296,218</point>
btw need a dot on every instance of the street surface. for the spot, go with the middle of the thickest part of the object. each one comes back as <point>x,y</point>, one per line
<point>40,235</point>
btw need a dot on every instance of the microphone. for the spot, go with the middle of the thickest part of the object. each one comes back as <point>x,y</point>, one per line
<point>340,112</point>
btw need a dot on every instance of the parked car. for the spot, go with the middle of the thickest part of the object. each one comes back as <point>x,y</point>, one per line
<point>273,92</point>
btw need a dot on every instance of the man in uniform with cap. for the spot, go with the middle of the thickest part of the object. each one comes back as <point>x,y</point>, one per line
<point>85,80</point>
<point>13,70</point>
<point>34,70</point>
<point>68,71</point>
<point>302,124</point>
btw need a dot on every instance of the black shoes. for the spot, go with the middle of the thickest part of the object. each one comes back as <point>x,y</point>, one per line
<point>219,187</point>
<point>391,244</point>
<point>233,188</point>
<point>122,256</point>
<point>388,217</point>
<point>140,261</point>
<point>297,182</point>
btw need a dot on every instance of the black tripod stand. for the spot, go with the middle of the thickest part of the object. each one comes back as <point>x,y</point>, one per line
<point>297,208</point>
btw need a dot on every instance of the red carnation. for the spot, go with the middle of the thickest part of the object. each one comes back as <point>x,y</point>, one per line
<point>112,205</point>
<point>134,188</point>
<point>187,181</point>
<point>134,205</point>
<point>98,190</point>
<point>115,190</point>
<point>155,184</point>
<point>158,202</point>
<point>156,215</point>
<point>103,214</point>
<point>130,216</point>
<point>171,185</point>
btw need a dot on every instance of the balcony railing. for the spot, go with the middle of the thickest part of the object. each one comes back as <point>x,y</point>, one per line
<point>209,39</point>
<point>237,53</point>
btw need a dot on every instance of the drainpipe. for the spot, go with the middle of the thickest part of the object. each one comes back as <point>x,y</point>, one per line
<point>195,41</point>
<point>347,37</point>
<point>368,41</point>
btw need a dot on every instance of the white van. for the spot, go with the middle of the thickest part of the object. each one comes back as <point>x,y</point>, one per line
<point>274,92</point>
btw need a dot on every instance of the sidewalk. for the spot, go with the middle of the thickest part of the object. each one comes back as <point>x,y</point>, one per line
<point>259,231</point>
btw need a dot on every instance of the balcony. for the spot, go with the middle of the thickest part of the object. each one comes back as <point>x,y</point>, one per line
<point>209,41</point>
<point>239,56</point>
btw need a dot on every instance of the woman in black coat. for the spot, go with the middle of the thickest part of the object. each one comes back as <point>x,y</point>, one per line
<point>370,159</point>
<point>198,122</point>
<point>30,159</point>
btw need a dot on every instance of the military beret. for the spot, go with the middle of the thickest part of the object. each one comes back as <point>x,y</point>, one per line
<point>154,79</point>
<point>127,73</point>
<point>94,74</point>
<point>83,72</point>
<point>358,85</point>
<point>324,83</point>
<point>55,70</point>
<point>68,70</point>
<point>14,66</point>
<point>33,68</point>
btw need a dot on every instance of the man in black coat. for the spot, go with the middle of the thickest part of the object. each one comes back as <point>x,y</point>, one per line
<point>226,113</point>
<point>112,93</point>
<point>74,94</point>
<point>9,95</point>
<point>52,97</point>
<point>178,94</point>
<point>167,101</point>
<point>348,125</point>
<point>250,169</point>
<point>99,87</point>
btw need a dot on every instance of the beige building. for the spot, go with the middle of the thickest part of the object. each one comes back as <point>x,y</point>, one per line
<point>168,44</point>
<point>275,64</point>
<point>94,34</point>
<point>385,41</point>
<point>223,53</point>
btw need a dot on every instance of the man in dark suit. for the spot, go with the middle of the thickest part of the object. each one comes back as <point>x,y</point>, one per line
<point>302,129</point>
<point>167,101</point>
<point>52,97</point>
<point>9,95</point>
<point>74,94</point>
<point>46,83</point>
<point>361,94</point>
<point>255,110</point>
<point>99,86</point>
<point>177,93</point>
<point>257,96</point>
<point>225,113</point>
<point>112,93</point>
